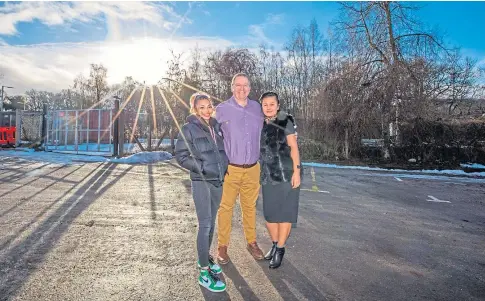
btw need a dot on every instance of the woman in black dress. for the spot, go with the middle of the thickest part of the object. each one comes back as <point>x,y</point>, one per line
<point>280,175</point>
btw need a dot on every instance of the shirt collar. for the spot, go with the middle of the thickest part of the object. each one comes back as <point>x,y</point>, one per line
<point>234,102</point>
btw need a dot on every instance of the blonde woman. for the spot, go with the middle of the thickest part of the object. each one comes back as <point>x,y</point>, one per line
<point>200,149</point>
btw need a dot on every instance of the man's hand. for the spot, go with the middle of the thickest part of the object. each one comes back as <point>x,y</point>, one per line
<point>295,179</point>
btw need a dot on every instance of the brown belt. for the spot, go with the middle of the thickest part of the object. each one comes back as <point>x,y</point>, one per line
<point>243,165</point>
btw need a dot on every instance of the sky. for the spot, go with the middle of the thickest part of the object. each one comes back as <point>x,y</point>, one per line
<point>45,45</point>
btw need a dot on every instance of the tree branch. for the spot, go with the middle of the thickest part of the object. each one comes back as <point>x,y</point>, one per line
<point>369,38</point>
<point>424,35</point>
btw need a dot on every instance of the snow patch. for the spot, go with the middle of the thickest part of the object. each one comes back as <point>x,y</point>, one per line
<point>430,171</point>
<point>68,159</point>
<point>473,166</point>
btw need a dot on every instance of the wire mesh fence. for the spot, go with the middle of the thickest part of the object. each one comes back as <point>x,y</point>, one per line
<point>29,127</point>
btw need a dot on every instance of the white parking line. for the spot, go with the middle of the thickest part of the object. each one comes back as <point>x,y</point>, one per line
<point>398,179</point>
<point>401,176</point>
<point>434,199</point>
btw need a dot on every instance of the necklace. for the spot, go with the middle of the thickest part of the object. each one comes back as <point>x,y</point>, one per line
<point>268,119</point>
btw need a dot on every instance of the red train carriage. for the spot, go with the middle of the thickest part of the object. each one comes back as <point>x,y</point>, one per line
<point>7,129</point>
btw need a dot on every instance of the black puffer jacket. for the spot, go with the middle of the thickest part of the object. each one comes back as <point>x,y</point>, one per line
<point>199,153</point>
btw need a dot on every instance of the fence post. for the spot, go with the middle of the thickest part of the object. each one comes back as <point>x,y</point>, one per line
<point>116,133</point>
<point>150,128</point>
<point>18,126</point>
<point>43,136</point>
<point>121,137</point>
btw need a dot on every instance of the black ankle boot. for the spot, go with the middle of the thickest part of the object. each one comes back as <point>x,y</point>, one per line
<point>277,258</point>
<point>270,253</point>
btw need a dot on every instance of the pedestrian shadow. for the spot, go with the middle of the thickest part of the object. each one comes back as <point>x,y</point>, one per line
<point>19,173</point>
<point>153,206</point>
<point>24,200</point>
<point>239,283</point>
<point>188,185</point>
<point>12,237</point>
<point>19,262</point>
<point>286,274</point>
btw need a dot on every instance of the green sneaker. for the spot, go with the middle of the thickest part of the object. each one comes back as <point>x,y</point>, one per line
<point>211,281</point>
<point>212,265</point>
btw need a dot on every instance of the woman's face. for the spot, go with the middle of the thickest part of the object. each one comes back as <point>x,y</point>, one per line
<point>204,109</point>
<point>270,106</point>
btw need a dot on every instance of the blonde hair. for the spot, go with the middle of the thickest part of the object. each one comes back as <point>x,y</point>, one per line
<point>194,98</point>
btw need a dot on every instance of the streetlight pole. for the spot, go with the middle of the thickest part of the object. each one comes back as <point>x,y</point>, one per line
<point>1,97</point>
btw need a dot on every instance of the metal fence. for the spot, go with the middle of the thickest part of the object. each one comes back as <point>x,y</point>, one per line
<point>80,131</point>
<point>91,131</point>
<point>29,127</point>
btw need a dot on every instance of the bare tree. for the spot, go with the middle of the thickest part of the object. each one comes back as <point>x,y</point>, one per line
<point>97,82</point>
<point>93,88</point>
<point>393,41</point>
<point>171,89</point>
<point>461,80</point>
<point>35,100</point>
<point>66,99</point>
<point>304,68</point>
<point>81,86</point>
<point>14,102</point>
<point>220,67</point>
<point>271,69</point>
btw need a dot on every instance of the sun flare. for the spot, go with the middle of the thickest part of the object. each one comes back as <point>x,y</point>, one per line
<point>144,59</point>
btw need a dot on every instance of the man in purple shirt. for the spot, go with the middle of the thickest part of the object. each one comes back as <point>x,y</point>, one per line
<point>241,123</point>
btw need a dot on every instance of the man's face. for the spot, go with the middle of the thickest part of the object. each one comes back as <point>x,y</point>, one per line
<point>241,88</point>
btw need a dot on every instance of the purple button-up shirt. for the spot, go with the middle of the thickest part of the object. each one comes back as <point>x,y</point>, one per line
<point>241,127</point>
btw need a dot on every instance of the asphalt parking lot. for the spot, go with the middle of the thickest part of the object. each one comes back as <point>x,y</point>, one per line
<point>104,231</point>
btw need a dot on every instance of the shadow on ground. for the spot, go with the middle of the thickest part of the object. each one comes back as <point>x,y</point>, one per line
<point>18,263</point>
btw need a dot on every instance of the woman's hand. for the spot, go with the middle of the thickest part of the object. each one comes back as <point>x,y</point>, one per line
<point>295,179</point>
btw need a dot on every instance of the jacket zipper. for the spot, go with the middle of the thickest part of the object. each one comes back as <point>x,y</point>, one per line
<point>216,149</point>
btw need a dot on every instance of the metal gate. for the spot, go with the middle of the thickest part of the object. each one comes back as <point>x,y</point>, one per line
<point>80,131</point>
<point>28,128</point>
